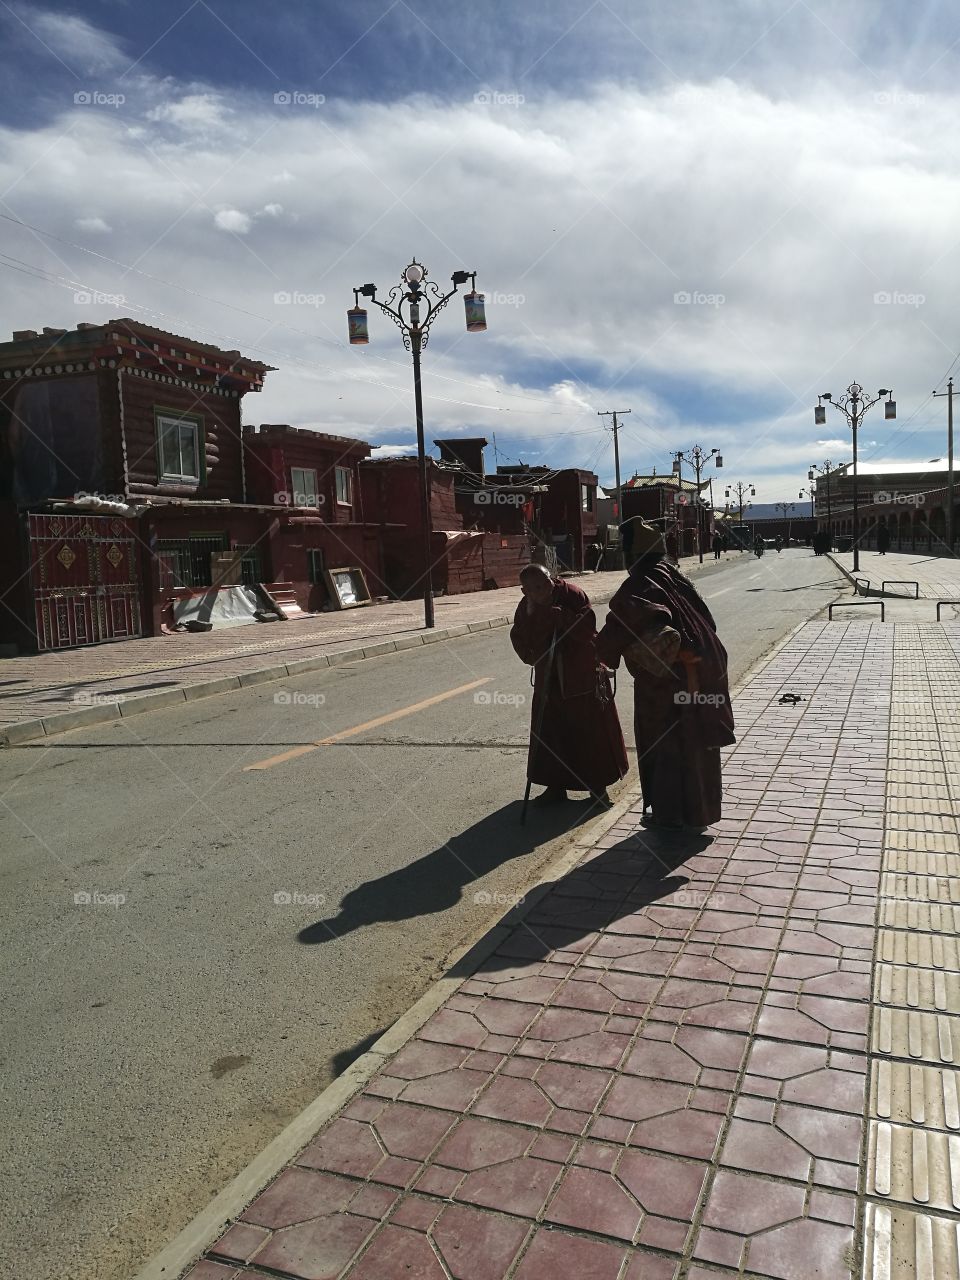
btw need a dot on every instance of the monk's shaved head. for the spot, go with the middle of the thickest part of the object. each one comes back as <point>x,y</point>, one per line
<point>533,572</point>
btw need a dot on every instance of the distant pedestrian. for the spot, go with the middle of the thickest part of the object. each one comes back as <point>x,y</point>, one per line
<point>576,743</point>
<point>883,539</point>
<point>717,545</point>
<point>726,543</point>
<point>778,542</point>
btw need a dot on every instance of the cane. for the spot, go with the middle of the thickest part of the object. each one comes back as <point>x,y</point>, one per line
<point>548,671</point>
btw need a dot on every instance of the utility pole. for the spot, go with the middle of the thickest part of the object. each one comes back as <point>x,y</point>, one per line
<point>612,413</point>
<point>949,394</point>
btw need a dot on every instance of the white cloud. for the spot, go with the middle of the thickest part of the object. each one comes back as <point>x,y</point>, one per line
<point>193,113</point>
<point>781,218</point>
<point>94,225</point>
<point>83,47</point>
<point>233,220</point>
<point>393,450</point>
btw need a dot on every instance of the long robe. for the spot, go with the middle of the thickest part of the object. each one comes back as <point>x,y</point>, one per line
<point>580,743</point>
<point>682,712</point>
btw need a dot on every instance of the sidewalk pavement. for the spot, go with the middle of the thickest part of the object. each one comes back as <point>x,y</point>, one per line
<point>48,693</point>
<point>937,577</point>
<point>698,1058</point>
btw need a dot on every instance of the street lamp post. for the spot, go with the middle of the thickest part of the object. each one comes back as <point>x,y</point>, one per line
<point>740,489</point>
<point>853,405</point>
<point>824,469</point>
<point>698,458</point>
<point>416,291</point>
<point>808,493</point>
<point>785,507</point>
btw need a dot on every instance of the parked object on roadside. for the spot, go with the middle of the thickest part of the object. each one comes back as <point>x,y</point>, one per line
<point>576,742</point>
<point>663,631</point>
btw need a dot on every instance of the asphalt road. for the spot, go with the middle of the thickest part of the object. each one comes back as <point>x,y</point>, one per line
<point>248,931</point>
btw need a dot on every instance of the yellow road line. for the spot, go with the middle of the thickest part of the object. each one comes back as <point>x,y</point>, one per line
<point>294,752</point>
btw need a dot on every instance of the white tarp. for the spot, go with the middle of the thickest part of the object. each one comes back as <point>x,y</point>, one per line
<point>223,607</point>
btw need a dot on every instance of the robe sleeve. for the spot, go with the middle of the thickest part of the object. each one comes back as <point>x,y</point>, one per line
<point>531,633</point>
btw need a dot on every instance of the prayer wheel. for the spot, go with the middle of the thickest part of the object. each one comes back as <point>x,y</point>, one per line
<point>357,327</point>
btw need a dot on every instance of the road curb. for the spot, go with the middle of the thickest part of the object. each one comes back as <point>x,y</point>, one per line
<point>187,1246</point>
<point>21,731</point>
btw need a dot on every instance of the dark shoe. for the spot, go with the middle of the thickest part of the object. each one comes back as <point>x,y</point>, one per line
<point>552,795</point>
<point>600,800</point>
<point>648,820</point>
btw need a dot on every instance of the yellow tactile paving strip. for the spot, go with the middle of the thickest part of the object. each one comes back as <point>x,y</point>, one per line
<point>912,1172</point>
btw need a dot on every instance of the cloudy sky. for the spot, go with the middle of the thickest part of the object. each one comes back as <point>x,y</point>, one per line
<point>707,214</point>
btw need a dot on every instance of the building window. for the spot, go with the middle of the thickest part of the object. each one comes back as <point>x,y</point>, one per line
<point>251,564</point>
<point>315,565</point>
<point>344,486</point>
<point>303,483</point>
<point>586,497</point>
<point>185,562</point>
<point>179,447</point>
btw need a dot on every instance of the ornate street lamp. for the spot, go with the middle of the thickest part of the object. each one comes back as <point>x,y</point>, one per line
<point>740,489</point>
<point>698,459</point>
<point>853,405</point>
<point>412,305</point>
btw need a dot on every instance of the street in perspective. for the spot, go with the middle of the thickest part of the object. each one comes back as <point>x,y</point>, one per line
<point>479,720</point>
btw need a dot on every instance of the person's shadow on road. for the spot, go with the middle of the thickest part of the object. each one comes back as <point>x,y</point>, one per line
<point>438,880</point>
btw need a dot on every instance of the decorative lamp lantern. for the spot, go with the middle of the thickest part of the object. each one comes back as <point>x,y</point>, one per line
<point>357,327</point>
<point>820,415</point>
<point>810,474</point>
<point>474,307</point>
<point>890,409</point>
<point>676,466</point>
<point>719,459</point>
<point>753,492</point>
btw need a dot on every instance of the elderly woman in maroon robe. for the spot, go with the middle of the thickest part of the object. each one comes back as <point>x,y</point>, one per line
<point>576,743</point>
<point>664,632</point>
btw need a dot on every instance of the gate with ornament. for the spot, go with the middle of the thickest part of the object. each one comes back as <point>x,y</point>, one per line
<point>86,586</point>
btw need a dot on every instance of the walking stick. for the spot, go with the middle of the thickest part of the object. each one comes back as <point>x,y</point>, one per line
<point>548,671</point>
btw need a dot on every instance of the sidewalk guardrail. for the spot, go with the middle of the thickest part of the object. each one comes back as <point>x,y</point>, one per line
<point>860,582</point>
<point>851,604</point>
<point>943,602</point>
<point>901,582</point>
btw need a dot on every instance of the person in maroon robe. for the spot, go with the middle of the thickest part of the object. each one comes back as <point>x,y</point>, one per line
<point>662,629</point>
<point>576,743</point>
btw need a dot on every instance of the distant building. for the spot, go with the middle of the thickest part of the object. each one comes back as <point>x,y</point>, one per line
<point>909,498</point>
<point>674,506</point>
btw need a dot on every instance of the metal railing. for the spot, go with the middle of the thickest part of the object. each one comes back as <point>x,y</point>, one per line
<point>901,582</point>
<point>852,604</point>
